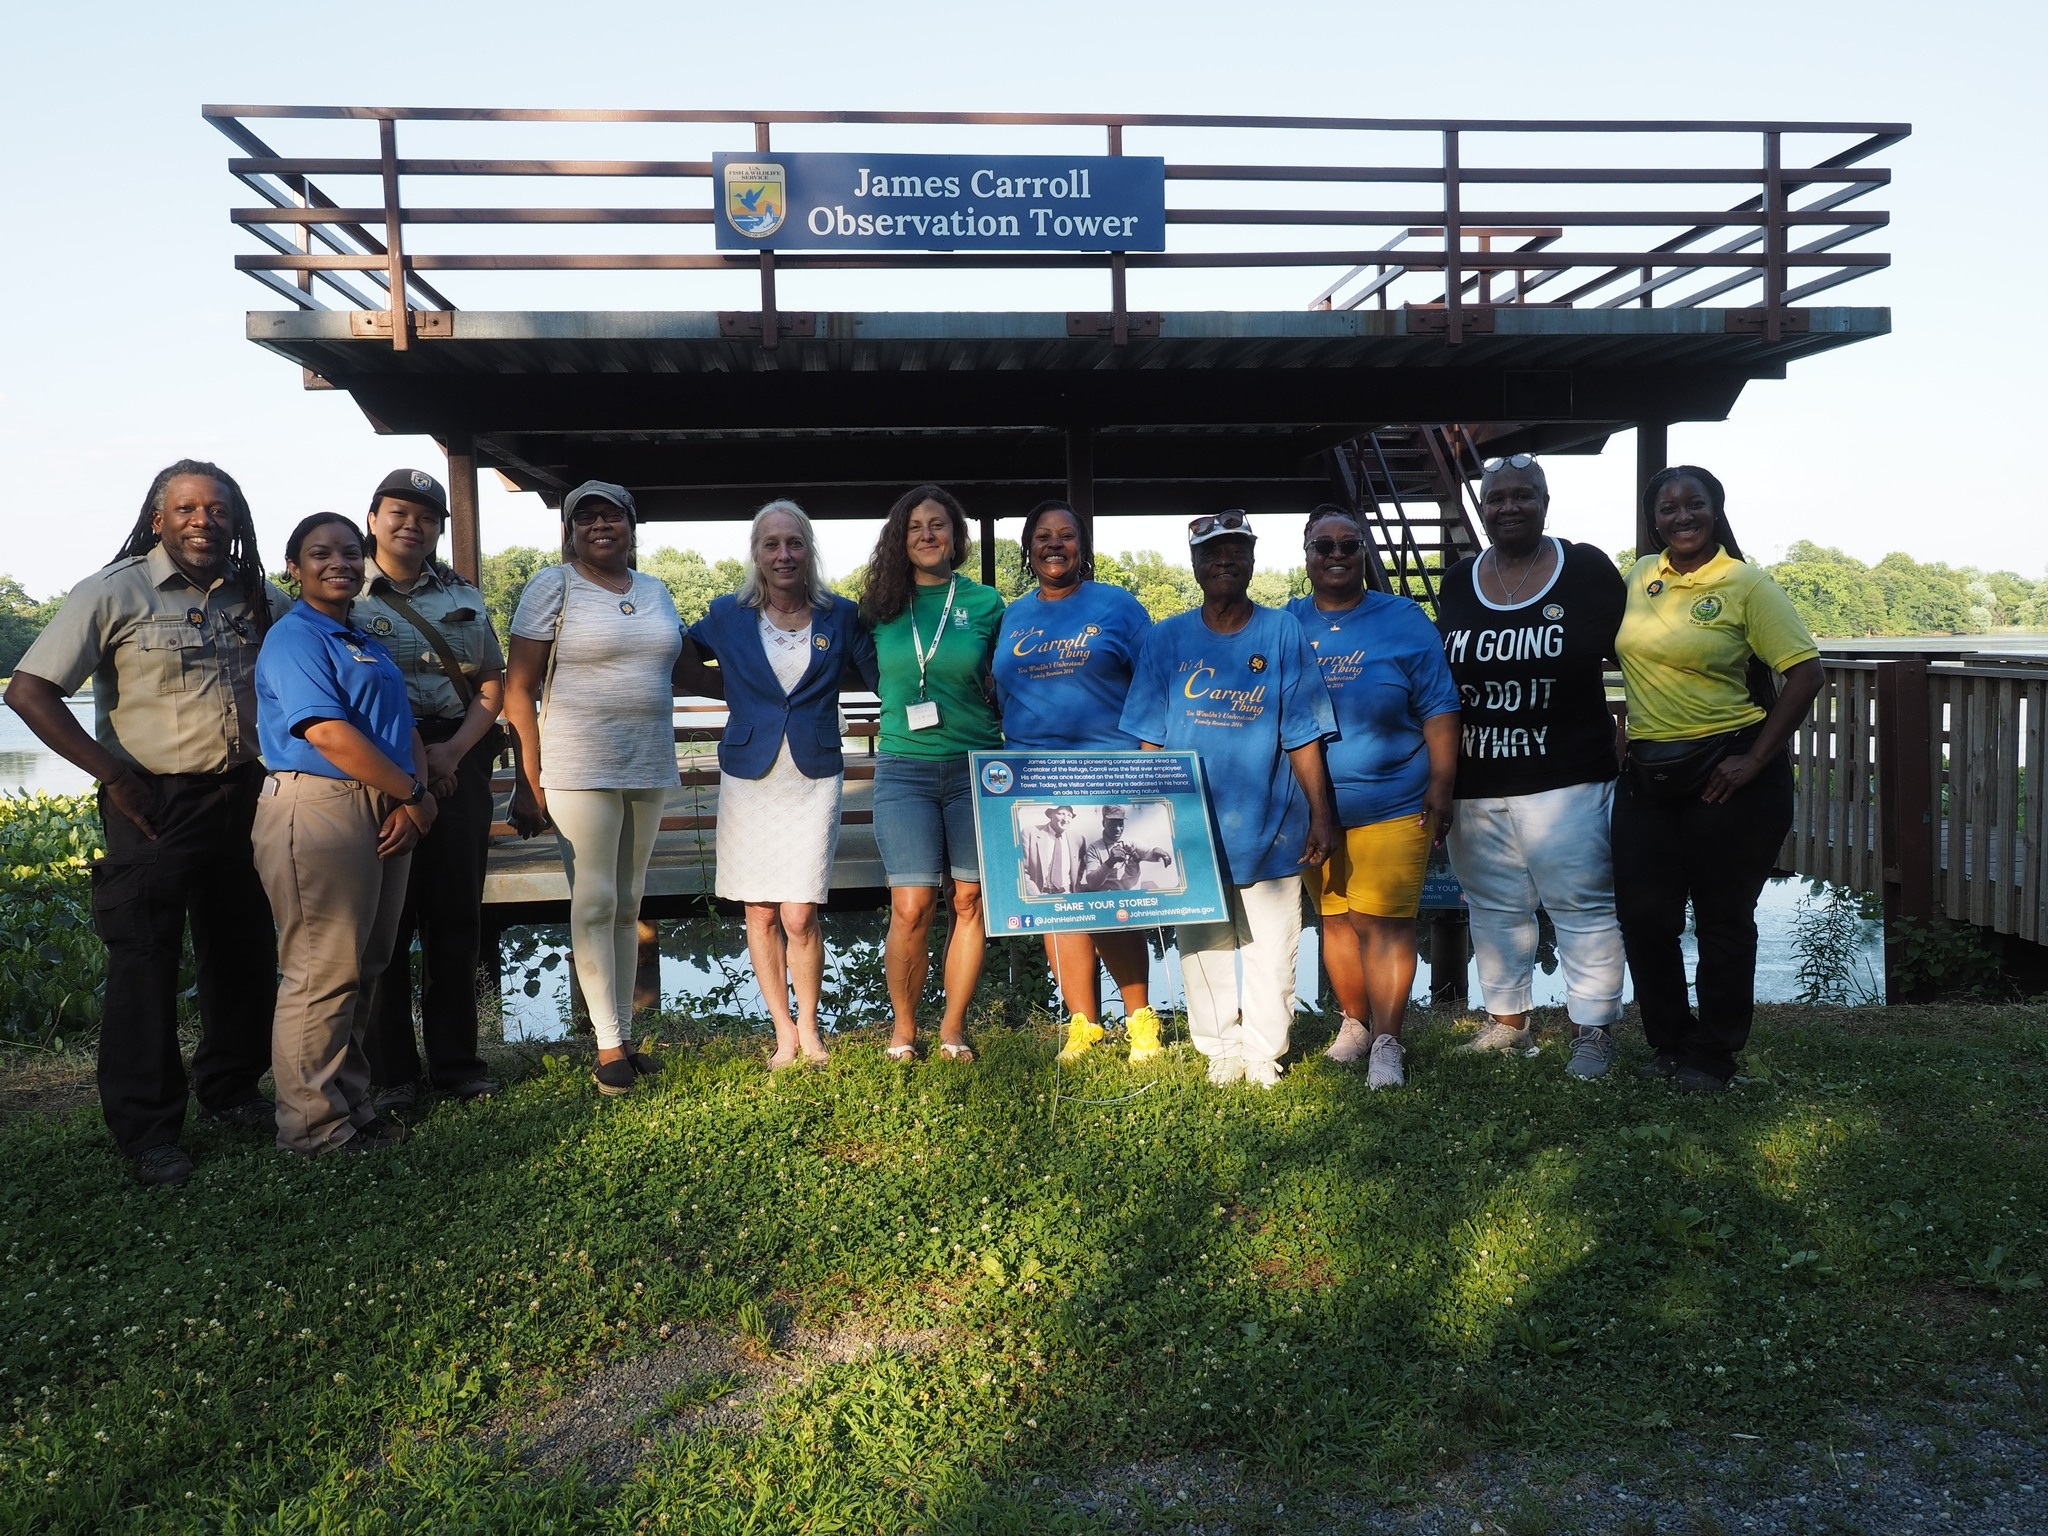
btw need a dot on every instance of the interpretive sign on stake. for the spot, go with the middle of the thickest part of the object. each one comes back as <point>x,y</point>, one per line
<point>1079,841</point>
<point>837,202</point>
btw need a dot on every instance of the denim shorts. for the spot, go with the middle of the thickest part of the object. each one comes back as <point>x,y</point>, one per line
<point>924,820</point>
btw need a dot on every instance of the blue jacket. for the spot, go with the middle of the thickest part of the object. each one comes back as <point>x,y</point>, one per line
<point>761,714</point>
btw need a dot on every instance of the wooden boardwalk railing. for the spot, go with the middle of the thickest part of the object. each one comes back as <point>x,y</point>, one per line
<point>1913,783</point>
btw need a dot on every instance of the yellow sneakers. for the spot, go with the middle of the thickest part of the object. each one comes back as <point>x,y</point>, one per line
<point>1144,1031</point>
<point>1080,1036</point>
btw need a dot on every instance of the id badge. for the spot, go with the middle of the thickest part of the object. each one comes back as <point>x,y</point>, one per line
<point>922,716</point>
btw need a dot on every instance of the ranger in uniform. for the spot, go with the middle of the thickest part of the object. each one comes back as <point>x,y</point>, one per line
<point>434,624</point>
<point>168,633</point>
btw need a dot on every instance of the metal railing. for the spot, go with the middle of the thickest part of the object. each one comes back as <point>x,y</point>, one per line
<point>1480,233</point>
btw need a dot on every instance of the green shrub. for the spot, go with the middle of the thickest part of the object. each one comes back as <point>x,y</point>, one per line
<point>51,962</point>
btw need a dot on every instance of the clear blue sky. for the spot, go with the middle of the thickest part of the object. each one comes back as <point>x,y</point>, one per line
<point>124,346</point>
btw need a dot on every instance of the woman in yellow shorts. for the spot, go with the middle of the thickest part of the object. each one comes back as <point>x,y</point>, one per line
<point>1392,769</point>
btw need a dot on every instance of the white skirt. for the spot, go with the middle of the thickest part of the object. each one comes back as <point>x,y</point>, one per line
<point>777,835</point>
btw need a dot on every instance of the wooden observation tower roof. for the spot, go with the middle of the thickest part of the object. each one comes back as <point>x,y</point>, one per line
<point>1510,285</point>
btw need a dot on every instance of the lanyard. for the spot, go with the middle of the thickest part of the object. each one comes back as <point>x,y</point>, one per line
<point>924,657</point>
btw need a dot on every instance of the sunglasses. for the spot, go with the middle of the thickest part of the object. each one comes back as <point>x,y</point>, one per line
<point>584,517</point>
<point>1327,546</point>
<point>1226,522</point>
<point>1512,461</point>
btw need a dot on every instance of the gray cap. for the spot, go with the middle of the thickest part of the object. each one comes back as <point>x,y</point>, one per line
<point>603,490</point>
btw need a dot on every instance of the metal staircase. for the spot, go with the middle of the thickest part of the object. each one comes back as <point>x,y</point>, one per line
<point>1411,487</point>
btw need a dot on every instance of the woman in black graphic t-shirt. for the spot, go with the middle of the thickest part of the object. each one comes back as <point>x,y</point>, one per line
<point>1528,627</point>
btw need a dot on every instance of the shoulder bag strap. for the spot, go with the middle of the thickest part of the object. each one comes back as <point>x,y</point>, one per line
<point>463,691</point>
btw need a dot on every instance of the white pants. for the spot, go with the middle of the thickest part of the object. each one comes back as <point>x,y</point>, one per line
<point>607,837</point>
<point>1263,939</point>
<point>1553,848</point>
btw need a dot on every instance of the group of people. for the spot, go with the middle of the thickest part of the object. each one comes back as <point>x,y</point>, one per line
<point>1340,738</point>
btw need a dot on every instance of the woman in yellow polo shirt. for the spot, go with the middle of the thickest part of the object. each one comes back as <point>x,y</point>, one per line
<point>1707,798</point>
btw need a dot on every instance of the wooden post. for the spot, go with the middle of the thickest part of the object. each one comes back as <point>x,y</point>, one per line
<point>465,548</point>
<point>1081,477</point>
<point>1450,955</point>
<point>401,316</point>
<point>1653,452</point>
<point>1454,241</point>
<point>1907,832</point>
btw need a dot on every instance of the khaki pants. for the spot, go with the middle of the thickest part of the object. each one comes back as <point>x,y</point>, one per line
<point>337,907</point>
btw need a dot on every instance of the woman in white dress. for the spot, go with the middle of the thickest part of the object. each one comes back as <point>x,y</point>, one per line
<point>785,646</point>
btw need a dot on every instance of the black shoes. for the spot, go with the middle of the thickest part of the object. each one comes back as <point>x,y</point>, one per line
<point>475,1088</point>
<point>255,1115</point>
<point>614,1077</point>
<point>1663,1066</point>
<point>643,1064</point>
<point>380,1133</point>
<point>165,1165</point>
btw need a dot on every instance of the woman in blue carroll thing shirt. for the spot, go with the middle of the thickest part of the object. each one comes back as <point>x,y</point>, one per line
<point>1238,684</point>
<point>1063,669</point>
<point>1393,767</point>
<point>336,824</point>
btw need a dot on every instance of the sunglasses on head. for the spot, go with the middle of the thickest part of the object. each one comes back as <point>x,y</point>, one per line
<point>1226,522</point>
<point>1327,546</point>
<point>1512,461</point>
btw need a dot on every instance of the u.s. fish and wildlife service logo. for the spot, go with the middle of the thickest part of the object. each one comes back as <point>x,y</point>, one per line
<point>380,627</point>
<point>755,197</point>
<point>1706,610</point>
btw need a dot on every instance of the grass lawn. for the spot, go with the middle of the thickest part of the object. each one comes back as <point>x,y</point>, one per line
<point>869,1298</point>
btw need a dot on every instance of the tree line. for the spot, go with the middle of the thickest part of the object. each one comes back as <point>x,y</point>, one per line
<point>1838,595</point>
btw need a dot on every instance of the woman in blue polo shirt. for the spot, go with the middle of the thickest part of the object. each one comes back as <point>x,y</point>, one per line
<point>1393,770</point>
<point>336,824</point>
<point>785,646</point>
<point>1238,684</point>
<point>1063,670</point>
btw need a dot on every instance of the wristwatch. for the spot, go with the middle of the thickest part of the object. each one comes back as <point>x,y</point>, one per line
<point>419,793</point>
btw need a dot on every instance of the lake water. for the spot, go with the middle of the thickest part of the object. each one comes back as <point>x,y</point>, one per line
<point>708,960</point>
<point>705,961</point>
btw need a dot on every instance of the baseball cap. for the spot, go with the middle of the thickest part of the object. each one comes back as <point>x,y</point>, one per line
<point>412,485</point>
<point>1221,526</point>
<point>603,490</point>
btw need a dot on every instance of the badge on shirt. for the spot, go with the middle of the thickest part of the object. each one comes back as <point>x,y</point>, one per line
<point>196,617</point>
<point>922,716</point>
<point>1553,611</point>
<point>1706,610</point>
<point>1257,663</point>
<point>1655,587</point>
<point>381,627</point>
<point>626,605</point>
<point>822,642</point>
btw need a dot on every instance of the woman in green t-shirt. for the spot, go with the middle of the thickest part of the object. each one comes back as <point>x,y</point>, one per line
<point>935,636</point>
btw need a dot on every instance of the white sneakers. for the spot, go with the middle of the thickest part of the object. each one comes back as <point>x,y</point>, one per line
<point>1352,1042</point>
<point>1498,1037</point>
<point>1383,1070</point>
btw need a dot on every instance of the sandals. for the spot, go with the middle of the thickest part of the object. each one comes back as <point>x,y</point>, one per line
<point>959,1051</point>
<point>901,1053</point>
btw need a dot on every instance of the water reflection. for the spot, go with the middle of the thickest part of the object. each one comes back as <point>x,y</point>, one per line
<point>701,967</point>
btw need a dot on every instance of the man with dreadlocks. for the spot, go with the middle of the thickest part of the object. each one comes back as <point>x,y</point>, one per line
<point>168,633</point>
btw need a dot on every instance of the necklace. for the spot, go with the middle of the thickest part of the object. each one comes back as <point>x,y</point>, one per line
<point>1528,570</point>
<point>596,580</point>
<point>801,611</point>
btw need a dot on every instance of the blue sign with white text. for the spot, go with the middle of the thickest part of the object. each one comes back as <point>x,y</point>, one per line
<point>1080,841</point>
<point>817,202</point>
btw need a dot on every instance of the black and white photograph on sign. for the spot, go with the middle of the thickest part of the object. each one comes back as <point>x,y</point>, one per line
<point>1069,848</point>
